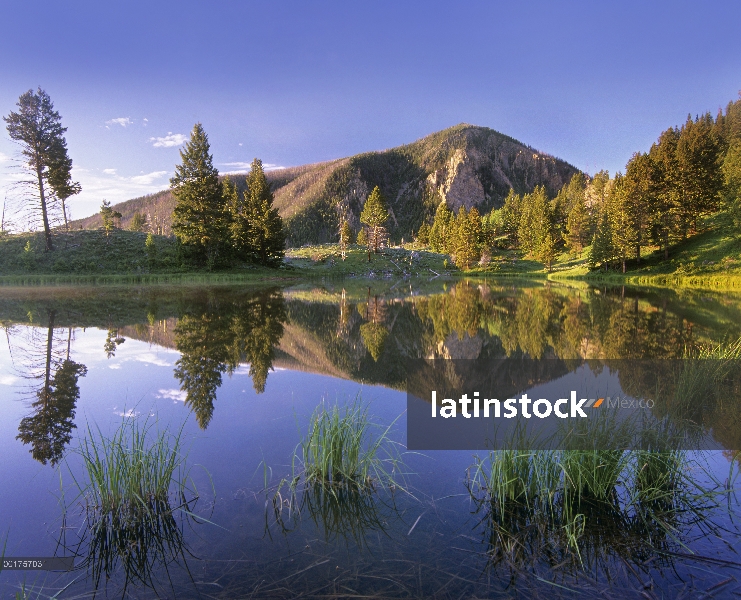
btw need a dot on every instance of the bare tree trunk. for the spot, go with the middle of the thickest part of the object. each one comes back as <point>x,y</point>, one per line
<point>44,215</point>
<point>49,342</point>
<point>64,212</point>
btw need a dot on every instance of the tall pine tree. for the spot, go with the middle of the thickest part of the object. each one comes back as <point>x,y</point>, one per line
<point>267,242</point>
<point>374,215</point>
<point>37,128</point>
<point>199,219</point>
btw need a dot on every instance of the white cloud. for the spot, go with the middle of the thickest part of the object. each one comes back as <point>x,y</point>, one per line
<point>127,414</point>
<point>172,394</point>
<point>148,178</point>
<point>169,141</point>
<point>8,379</point>
<point>4,157</point>
<point>244,167</point>
<point>151,359</point>
<point>122,121</point>
<point>108,184</point>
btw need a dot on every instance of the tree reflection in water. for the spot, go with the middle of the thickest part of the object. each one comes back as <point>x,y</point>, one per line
<point>49,429</point>
<point>217,337</point>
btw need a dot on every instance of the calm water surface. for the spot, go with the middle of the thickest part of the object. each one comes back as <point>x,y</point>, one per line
<point>242,370</point>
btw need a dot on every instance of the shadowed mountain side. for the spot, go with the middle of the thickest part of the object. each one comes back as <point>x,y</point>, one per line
<point>464,165</point>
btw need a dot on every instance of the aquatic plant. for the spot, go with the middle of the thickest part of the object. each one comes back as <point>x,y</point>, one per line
<point>571,507</point>
<point>339,449</point>
<point>136,486</point>
<point>337,470</point>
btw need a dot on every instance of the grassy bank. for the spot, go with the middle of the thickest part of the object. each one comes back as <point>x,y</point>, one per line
<point>708,260</point>
<point>92,258</point>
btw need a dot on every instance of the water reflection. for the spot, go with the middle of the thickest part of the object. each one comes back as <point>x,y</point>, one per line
<point>49,429</point>
<point>217,336</point>
<point>366,336</point>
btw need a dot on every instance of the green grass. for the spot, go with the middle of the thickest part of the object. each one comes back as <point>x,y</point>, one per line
<point>325,260</point>
<point>91,257</point>
<point>337,470</point>
<point>709,260</point>
<point>136,483</point>
<point>339,449</point>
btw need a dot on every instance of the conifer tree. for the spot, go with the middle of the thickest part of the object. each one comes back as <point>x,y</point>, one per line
<point>138,222</point>
<point>467,237</point>
<point>374,215</point>
<point>620,220</point>
<point>662,212</point>
<point>638,194</point>
<point>577,225</point>
<point>732,178</point>
<point>535,220</point>
<point>547,251</point>
<point>699,175</point>
<point>440,233</point>
<point>511,213</point>
<point>601,251</point>
<point>423,235</point>
<point>345,237</point>
<point>267,241</point>
<point>199,220</point>
<point>362,237</point>
<point>106,214</point>
<point>37,128</point>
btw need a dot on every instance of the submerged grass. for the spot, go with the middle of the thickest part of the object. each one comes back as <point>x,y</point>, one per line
<point>337,470</point>
<point>137,484</point>
<point>339,449</point>
<point>577,507</point>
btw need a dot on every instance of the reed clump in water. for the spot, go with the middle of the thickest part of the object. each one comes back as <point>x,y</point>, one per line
<point>338,468</point>
<point>568,507</point>
<point>137,485</point>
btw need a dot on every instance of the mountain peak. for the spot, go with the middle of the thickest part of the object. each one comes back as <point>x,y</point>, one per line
<point>464,165</point>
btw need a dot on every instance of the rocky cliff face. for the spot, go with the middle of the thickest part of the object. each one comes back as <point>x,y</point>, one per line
<point>463,166</point>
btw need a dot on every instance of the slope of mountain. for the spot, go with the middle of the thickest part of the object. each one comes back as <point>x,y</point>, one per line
<point>464,165</point>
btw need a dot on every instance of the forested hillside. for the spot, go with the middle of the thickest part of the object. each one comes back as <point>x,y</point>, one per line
<point>465,165</point>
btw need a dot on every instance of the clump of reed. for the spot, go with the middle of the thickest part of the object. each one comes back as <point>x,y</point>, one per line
<point>566,506</point>
<point>342,463</point>
<point>340,449</point>
<point>137,493</point>
<point>703,379</point>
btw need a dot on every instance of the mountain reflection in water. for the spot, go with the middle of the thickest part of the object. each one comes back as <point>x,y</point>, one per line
<point>363,335</point>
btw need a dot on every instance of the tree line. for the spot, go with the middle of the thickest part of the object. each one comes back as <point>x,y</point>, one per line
<point>690,172</point>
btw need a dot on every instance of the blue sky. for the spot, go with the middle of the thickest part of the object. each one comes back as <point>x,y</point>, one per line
<point>300,82</point>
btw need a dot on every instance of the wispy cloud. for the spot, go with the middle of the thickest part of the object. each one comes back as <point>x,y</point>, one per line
<point>169,141</point>
<point>148,178</point>
<point>172,394</point>
<point>244,167</point>
<point>129,414</point>
<point>122,121</point>
<point>8,379</point>
<point>4,158</point>
<point>108,184</point>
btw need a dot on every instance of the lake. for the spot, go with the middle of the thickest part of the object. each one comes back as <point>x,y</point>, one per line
<point>234,374</point>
